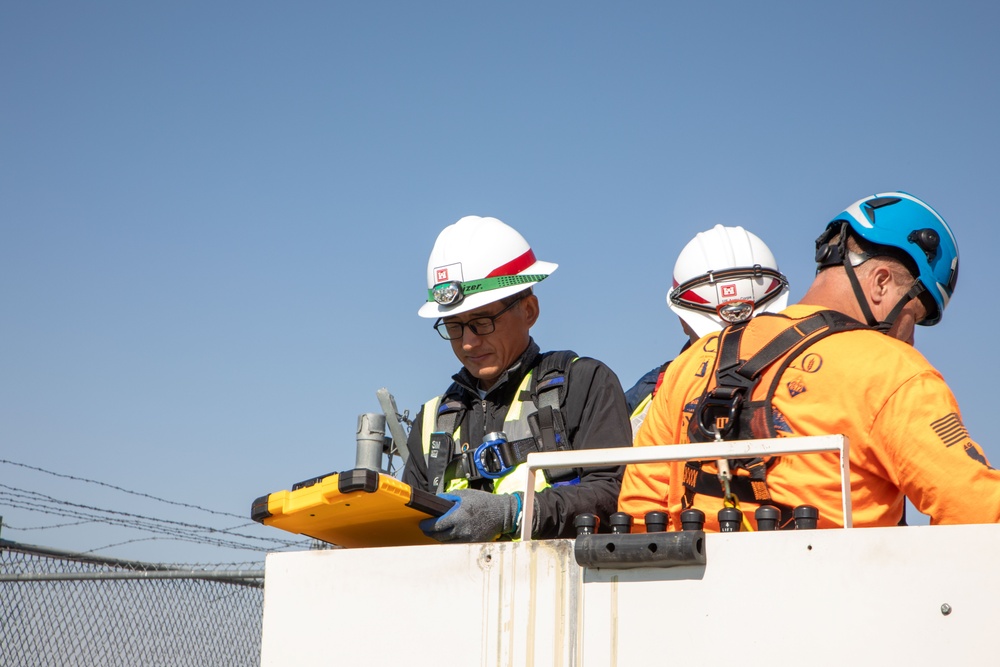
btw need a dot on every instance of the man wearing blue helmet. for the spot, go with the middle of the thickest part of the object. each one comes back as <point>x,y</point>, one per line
<point>823,366</point>
<point>907,230</point>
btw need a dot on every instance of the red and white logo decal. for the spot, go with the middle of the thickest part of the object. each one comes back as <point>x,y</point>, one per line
<point>448,273</point>
<point>729,290</point>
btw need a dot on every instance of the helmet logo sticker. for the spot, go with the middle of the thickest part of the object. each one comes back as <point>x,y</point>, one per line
<point>443,274</point>
<point>741,289</point>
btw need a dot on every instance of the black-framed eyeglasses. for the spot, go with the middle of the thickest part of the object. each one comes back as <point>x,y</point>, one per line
<point>481,326</point>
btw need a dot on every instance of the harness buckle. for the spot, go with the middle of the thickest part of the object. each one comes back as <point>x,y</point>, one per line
<point>717,416</point>
<point>466,468</point>
<point>491,457</point>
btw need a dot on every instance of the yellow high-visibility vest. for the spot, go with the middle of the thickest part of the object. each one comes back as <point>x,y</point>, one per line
<point>515,426</point>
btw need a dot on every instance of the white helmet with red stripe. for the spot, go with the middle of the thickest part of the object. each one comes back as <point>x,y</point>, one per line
<point>477,261</point>
<point>723,276</point>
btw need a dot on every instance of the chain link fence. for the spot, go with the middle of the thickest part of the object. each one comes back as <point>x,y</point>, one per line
<point>63,609</point>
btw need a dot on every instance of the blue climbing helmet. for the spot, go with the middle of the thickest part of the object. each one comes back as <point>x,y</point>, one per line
<point>902,221</point>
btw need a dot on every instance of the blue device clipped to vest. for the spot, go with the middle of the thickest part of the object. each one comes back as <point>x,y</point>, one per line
<point>489,458</point>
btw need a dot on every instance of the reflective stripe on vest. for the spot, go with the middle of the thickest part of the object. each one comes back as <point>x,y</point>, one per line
<point>639,414</point>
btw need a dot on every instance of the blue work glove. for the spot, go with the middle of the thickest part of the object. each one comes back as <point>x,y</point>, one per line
<point>476,516</point>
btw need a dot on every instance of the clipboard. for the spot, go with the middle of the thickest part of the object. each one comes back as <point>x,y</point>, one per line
<point>354,508</point>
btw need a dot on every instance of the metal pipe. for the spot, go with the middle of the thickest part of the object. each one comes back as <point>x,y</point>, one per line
<point>731,449</point>
<point>370,441</point>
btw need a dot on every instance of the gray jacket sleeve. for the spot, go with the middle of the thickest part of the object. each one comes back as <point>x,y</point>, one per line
<point>596,417</point>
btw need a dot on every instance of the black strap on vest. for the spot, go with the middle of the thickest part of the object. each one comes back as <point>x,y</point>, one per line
<point>726,409</point>
<point>550,382</point>
<point>442,442</point>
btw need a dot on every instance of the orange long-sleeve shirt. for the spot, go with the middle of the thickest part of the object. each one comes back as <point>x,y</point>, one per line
<point>904,425</point>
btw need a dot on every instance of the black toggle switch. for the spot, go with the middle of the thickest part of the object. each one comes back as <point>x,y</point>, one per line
<point>656,522</point>
<point>692,519</point>
<point>767,517</point>
<point>805,517</point>
<point>730,520</point>
<point>621,523</point>
<point>586,524</point>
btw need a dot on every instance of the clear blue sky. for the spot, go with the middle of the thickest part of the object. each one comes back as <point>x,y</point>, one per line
<point>216,216</point>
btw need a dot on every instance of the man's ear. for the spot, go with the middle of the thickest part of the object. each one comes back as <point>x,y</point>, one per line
<point>530,309</point>
<point>880,282</point>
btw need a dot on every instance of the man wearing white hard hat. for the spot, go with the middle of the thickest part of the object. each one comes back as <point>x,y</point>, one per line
<point>509,399</point>
<point>722,276</point>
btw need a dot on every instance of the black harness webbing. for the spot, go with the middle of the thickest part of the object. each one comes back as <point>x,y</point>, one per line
<point>734,372</point>
<point>752,489</point>
<point>721,409</point>
<point>442,442</point>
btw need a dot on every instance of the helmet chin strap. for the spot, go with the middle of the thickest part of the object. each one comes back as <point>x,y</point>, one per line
<point>890,319</point>
<point>859,296</point>
<point>859,293</point>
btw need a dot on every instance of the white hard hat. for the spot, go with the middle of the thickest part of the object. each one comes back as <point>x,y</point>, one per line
<point>477,261</point>
<point>725,275</point>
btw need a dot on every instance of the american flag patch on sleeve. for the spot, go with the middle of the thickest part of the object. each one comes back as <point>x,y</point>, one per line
<point>950,429</point>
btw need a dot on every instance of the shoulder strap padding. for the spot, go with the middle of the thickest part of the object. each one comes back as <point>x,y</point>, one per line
<point>549,383</point>
<point>549,375</point>
<point>450,410</point>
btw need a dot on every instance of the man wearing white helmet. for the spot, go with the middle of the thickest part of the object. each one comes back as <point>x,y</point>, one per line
<point>508,400</point>
<point>722,276</point>
<point>841,361</point>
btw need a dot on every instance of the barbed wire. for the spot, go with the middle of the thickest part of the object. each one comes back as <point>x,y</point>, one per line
<point>57,525</point>
<point>117,488</point>
<point>161,529</point>
<point>181,531</point>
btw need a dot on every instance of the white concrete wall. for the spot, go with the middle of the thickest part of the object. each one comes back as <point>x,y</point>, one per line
<point>832,597</point>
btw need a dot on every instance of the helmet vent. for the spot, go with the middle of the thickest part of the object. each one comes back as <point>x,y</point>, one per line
<point>879,202</point>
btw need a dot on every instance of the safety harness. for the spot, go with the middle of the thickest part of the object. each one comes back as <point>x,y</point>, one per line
<point>725,410</point>
<point>534,423</point>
